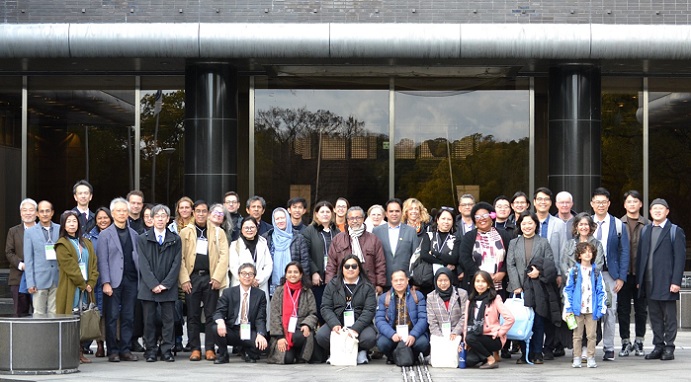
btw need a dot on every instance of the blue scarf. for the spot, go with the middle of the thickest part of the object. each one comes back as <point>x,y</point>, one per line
<point>281,244</point>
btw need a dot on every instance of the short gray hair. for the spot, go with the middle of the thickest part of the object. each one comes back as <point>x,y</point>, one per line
<point>564,193</point>
<point>158,208</point>
<point>30,201</point>
<point>356,208</point>
<point>254,199</point>
<point>118,201</point>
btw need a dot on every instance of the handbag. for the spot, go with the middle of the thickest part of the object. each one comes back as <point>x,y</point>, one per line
<point>403,355</point>
<point>444,352</point>
<point>421,272</point>
<point>344,349</point>
<point>522,329</point>
<point>89,319</point>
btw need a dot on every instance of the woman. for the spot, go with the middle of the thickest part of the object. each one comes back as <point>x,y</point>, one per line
<point>416,216</point>
<point>482,332</point>
<point>483,248</point>
<point>519,203</point>
<point>293,318</point>
<point>148,219</point>
<point>217,217</point>
<point>349,302</point>
<point>436,247</point>
<point>285,246</point>
<point>375,217</point>
<point>446,306</point>
<point>318,236</point>
<point>77,268</point>
<point>341,208</point>
<point>183,214</point>
<point>103,221</point>
<point>532,271</point>
<point>251,248</point>
<point>583,230</point>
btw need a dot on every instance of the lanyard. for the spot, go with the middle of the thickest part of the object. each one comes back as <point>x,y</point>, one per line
<point>201,231</point>
<point>294,298</point>
<point>439,248</point>
<point>349,304</point>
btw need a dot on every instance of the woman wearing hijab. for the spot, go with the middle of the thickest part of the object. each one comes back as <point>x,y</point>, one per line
<point>446,306</point>
<point>293,318</point>
<point>285,246</point>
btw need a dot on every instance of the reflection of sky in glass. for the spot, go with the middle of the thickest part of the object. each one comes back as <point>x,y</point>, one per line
<point>370,106</point>
<point>426,115</point>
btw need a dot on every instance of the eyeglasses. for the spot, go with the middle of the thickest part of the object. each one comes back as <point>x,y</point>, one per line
<point>232,202</point>
<point>355,218</point>
<point>519,203</point>
<point>341,207</point>
<point>201,212</point>
<point>249,228</point>
<point>467,204</point>
<point>483,216</point>
<point>445,208</point>
<point>217,213</point>
<point>543,199</point>
<point>600,202</point>
<point>247,274</point>
<point>350,266</point>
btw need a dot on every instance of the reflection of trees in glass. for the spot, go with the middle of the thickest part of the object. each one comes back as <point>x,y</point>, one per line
<point>497,167</point>
<point>288,144</point>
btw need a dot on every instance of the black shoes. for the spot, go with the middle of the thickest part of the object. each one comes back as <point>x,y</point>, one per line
<point>137,347</point>
<point>168,357</point>
<point>113,358</point>
<point>655,354</point>
<point>221,359</point>
<point>667,355</point>
<point>150,358</point>
<point>548,356</point>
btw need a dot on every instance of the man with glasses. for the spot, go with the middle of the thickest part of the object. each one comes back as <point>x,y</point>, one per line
<point>366,246</point>
<point>41,261</point>
<point>240,318</point>
<point>502,208</point>
<point>399,241</point>
<point>14,250</point>
<point>615,241</point>
<point>231,201</point>
<point>203,272</point>
<point>564,208</point>
<point>464,222</point>
<point>519,203</point>
<point>256,205</point>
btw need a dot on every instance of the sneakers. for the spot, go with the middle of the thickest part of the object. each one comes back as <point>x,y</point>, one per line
<point>638,348</point>
<point>609,355</point>
<point>626,348</point>
<point>592,363</point>
<point>576,362</point>
<point>362,357</point>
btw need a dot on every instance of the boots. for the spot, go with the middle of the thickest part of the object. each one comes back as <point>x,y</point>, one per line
<point>100,351</point>
<point>83,359</point>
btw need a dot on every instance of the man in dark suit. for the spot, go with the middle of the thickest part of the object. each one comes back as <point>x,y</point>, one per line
<point>14,250</point>
<point>240,318</point>
<point>118,266</point>
<point>399,241</point>
<point>83,192</point>
<point>660,266</point>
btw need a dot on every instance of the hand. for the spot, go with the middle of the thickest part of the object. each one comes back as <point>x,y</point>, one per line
<point>619,284</point>
<point>336,328</point>
<point>32,290</point>
<point>221,330</point>
<point>498,277</point>
<point>559,280</point>
<point>215,284</point>
<point>518,291</point>
<point>674,288</point>
<point>460,276</point>
<point>353,333</point>
<point>379,290</point>
<point>156,289</point>
<point>450,267</point>
<point>316,280</point>
<point>255,284</point>
<point>282,345</point>
<point>396,337</point>
<point>107,289</point>
<point>410,341</point>
<point>305,330</point>
<point>453,336</point>
<point>534,273</point>
<point>260,342</point>
<point>187,287</point>
<point>88,288</point>
<point>21,266</point>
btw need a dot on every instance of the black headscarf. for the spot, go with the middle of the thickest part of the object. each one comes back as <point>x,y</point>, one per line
<point>444,294</point>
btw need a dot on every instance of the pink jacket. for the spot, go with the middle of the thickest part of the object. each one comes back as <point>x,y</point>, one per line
<point>492,326</point>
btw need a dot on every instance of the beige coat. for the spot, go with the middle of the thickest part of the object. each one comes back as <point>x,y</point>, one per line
<point>218,253</point>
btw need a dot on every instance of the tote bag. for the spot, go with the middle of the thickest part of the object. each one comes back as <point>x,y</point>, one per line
<point>343,349</point>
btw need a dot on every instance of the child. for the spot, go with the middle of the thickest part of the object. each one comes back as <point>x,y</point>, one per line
<point>585,298</point>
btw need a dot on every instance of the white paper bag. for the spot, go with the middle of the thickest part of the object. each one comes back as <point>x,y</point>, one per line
<point>344,349</point>
<point>444,352</point>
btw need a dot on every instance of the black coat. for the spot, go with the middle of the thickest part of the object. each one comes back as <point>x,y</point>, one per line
<point>463,249</point>
<point>315,242</point>
<point>669,260</point>
<point>159,265</point>
<point>542,293</point>
<point>364,303</point>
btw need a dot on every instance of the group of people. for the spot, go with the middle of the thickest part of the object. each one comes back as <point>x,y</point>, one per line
<point>398,274</point>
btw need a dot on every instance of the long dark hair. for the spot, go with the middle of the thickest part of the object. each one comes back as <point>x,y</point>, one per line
<point>305,280</point>
<point>359,266</point>
<point>490,284</point>
<point>107,212</point>
<point>63,231</point>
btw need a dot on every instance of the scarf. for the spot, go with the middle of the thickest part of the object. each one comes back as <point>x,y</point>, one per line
<point>355,243</point>
<point>281,245</point>
<point>444,294</point>
<point>483,299</point>
<point>489,248</point>
<point>290,292</point>
<point>251,246</point>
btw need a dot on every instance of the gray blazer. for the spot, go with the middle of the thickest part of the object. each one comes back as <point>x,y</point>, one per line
<point>39,272</point>
<point>515,259</point>
<point>111,260</point>
<point>407,243</point>
<point>557,236</point>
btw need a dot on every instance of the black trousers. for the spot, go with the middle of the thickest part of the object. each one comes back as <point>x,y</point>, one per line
<point>232,338</point>
<point>299,342</point>
<point>483,345</point>
<point>663,321</point>
<point>22,302</point>
<point>627,293</point>
<point>201,293</point>
<point>156,324</point>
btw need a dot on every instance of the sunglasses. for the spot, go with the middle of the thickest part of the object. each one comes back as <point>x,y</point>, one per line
<point>350,266</point>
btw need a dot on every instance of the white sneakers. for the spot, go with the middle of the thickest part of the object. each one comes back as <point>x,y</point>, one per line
<point>362,357</point>
<point>591,362</point>
<point>576,362</point>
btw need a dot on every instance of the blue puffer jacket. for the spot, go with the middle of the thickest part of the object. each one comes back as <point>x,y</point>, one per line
<point>572,292</point>
<point>386,317</point>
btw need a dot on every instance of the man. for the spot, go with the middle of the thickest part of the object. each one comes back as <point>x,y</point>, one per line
<point>402,316</point>
<point>240,319</point>
<point>159,266</point>
<point>135,199</point>
<point>634,223</point>
<point>464,222</point>
<point>564,201</point>
<point>554,230</point>
<point>255,208</point>
<point>41,270</point>
<point>118,266</point>
<point>661,258</point>
<point>398,240</point>
<point>615,242</point>
<point>14,250</point>
<point>203,272</point>
<point>519,203</point>
<point>502,207</point>
<point>231,200</point>
<point>357,241</point>
<point>83,192</point>
<point>296,208</point>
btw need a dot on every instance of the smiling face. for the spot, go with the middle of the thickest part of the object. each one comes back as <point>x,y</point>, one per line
<point>528,226</point>
<point>201,213</point>
<point>293,274</point>
<point>296,211</point>
<point>519,205</point>
<point>658,213</point>
<point>393,214</point>
<point>586,257</point>
<point>355,219</point>
<point>249,230</point>
<point>564,204</point>
<point>503,209</point>
<point>543,203</point>
<point>351,270</point>
<point>443,282</point>
<point>102,220</point>
<point>399,281</point>
<point>483,221</point>
<point>280,219</point>
<point>600,205</point>
<point>324,215</point>
<point>583,228</point>
<point>148,219</point>
<point>216,216</point>
<point>185,210</point>
<point>83,196</point>
<point>480,284</point>
<point>341,208</point>
<point>445,222</point>
<point>414,213</point>
<point>28,213</point>
<point>377,216</point>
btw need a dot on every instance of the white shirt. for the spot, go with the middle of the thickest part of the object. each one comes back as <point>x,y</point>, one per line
<point>394,233</point>
<point>238,320</point>
<point>605,231</point>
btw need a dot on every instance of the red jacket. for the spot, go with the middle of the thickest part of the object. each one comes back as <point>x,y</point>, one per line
<point>375,262</point>
<point>491,325</point>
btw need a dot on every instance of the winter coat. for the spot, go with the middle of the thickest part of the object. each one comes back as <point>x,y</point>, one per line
<point>437,313</point>
<point>374,265</point>
<point>572,292</point>
<point>299,249</point>
<point>159,265</point>
<point>386,315</point>
<point>70,276</point>
<point>542,293</point>
<point>218,253</point>
<point>307,315</point>
<point>315,242</point>
<point>491,326</point>
<point>364,303</point>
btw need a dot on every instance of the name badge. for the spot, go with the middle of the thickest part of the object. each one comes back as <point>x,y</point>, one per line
<point>326,260</point>
<point>50,252</point>
<point>82,267</point>
<point>402,331</point>
<point>245,332</point>
<point>446,329</point>
<point>202,247</point>
<point>348,318</point>
<point>292,324</point>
